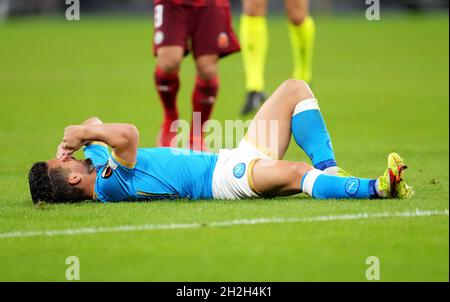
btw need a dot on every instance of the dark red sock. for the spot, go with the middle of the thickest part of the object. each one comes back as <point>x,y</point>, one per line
<point>203,99</point>
<point>167,86</point>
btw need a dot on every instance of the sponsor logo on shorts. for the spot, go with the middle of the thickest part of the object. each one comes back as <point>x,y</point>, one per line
<point>159,37</point>
<point>163,88</point>
<point>223,41</point>
<point>239,170</point>
<point>352,186</point>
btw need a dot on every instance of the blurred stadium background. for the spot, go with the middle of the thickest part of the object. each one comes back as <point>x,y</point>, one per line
<point>24,7</point>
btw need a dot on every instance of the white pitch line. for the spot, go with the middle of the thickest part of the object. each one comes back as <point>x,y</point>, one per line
<point>196,225</point>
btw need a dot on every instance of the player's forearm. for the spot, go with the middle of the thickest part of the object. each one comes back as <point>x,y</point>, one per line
<point>92,121</point>
<point>114,135</point>
<point>123,138</point>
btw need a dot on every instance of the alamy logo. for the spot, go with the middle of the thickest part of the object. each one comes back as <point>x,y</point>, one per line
<point>373,11</point>
<point>373,271</point>
<point>73,271</point>
<point>73,10</point>
<point>239,170</point>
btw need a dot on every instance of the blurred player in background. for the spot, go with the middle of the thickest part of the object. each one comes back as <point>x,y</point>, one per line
<point>203,27</point>
<point>254,41</point>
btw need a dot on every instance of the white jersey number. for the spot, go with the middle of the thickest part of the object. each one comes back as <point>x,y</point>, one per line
<point>159,10</point>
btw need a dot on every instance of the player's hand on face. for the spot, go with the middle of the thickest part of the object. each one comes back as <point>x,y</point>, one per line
<point>72,141</point>
<point>60,152</point>
<point>63,154</point>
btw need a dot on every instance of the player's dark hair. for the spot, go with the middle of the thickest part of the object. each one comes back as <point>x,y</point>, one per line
<point>51,185</point>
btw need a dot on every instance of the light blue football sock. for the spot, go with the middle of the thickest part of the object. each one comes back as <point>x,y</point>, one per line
<point>311,134</point>
<point>319,185</point>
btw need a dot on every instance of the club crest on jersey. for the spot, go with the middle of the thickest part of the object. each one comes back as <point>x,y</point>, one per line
<point>223,41</point>
<point>107,171</point>
<point>352,186</point>
<point>239,170</point>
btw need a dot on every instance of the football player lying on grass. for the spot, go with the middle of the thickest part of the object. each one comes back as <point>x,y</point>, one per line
<point>249,171</point>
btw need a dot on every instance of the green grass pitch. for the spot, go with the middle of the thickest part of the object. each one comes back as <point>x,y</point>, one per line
<point>383,86</point>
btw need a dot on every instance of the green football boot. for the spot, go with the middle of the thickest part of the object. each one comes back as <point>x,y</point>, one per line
<point>342,173</point>
<point>391,184</point>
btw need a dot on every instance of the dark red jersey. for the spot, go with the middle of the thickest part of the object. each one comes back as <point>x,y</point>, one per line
<point>197,3</point>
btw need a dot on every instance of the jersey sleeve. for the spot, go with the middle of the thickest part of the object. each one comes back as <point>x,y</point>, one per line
<point>97,152</point>
<point>115,180</point>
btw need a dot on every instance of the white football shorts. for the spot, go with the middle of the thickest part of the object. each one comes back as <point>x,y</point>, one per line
<point>232,176</point>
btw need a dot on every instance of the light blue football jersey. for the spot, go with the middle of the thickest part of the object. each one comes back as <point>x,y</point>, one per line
<point>159,173</point>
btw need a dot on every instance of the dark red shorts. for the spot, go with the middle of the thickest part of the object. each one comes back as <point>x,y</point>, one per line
<point>202,30</point>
